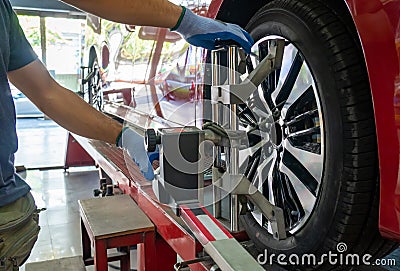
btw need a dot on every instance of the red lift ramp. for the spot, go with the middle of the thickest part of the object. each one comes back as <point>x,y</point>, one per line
<point>218,243</point>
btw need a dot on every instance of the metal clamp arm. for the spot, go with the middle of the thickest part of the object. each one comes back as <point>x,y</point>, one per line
<point>239,93</point>
<point>240,185</point>
<point>272,62</point>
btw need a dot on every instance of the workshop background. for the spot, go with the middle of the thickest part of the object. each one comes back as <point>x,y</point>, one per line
<point>55,30</point>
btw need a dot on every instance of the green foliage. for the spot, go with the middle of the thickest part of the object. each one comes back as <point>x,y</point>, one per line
<point>31,27</point>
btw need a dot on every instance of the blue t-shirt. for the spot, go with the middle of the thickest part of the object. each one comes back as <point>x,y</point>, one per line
<point>15,53</point>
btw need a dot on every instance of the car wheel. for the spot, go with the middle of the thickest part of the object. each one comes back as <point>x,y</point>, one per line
<point>321,164</point>
<point>94,94</point>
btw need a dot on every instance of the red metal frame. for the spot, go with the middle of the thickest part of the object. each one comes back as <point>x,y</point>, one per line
<point>75,155</point>
<point>203,234</point>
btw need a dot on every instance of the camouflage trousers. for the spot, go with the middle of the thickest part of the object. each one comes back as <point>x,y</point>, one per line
<point>19,231</point>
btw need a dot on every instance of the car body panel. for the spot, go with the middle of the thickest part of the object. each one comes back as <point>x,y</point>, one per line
<point>378,25</point>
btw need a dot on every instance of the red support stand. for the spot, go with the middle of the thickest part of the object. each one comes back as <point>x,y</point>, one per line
<point>158,249</point>
<point>75,155</point>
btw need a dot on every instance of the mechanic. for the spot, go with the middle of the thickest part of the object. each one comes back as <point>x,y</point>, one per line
<point>20,65</point>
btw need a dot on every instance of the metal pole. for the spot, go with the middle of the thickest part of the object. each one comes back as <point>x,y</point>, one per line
<point>216,80</point>
<point>233,158</point>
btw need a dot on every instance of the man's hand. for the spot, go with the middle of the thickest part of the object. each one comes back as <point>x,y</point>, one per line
<point>134,144</point>
<point>205,32</point>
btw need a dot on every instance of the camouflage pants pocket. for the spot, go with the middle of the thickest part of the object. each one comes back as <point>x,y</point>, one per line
<point>19,231</point>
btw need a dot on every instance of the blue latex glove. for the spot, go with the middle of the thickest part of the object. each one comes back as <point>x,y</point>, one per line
<point>204,32</point>
<point>134,144</point>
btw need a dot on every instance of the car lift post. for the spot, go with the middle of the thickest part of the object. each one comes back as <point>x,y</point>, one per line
<point>225,115</point>
<point>233,151</point>
<point>216,118</point>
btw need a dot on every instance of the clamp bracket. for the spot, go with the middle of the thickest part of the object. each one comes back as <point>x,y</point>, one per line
<point>239,93</point>
<point>240,185</point>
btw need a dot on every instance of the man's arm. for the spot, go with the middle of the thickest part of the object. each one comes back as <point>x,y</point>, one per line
<point>197,30</point>
<point>62,105</point>
<point>160,13</point>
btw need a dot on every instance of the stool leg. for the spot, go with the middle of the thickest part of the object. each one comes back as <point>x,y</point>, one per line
<point>126,260</point>
<point>100,256</point>
<point>141,257</point>
<point>86,246</point>
<point>166,256</point>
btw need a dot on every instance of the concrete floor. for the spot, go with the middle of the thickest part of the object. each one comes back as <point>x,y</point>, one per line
<point>42,143</point>
<point>58,192</point>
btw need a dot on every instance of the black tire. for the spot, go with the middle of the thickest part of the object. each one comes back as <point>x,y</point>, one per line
<point>346,209</point>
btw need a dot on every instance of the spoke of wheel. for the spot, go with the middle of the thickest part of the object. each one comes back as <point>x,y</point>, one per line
<point>292,207</point>
<point>276,186</point>
<point>302,87</point>
<point>269,84</point>
<point>309,131</point>
<point>251,169</point>
<point>306,198</point>
<point>252,150</point>
<point>269,183</point>
<point>249,64</point>
<point>287,62</point>
<point>287,87</point>
<point>253,153</point>
<point>296,210</point>
<point>302,116</point>
<point>301,171</point>
<point>245,116</point>
<point>311,161</point>
<point>261,181</point>
<point>256,173</point>
<point>262,173</point>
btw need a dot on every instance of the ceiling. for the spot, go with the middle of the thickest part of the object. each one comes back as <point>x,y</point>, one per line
<point>46,8</point>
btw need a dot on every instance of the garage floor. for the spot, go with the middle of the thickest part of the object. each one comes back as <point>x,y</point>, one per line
<point>42,143</point>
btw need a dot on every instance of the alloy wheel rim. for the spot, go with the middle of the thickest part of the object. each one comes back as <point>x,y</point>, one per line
<point>286,162</point>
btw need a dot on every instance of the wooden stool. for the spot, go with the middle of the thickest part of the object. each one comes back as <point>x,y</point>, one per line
<point>115,222</point>
<point>64,264</point>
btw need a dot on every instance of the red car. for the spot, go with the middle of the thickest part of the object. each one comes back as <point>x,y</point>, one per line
<point>335,105</point>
